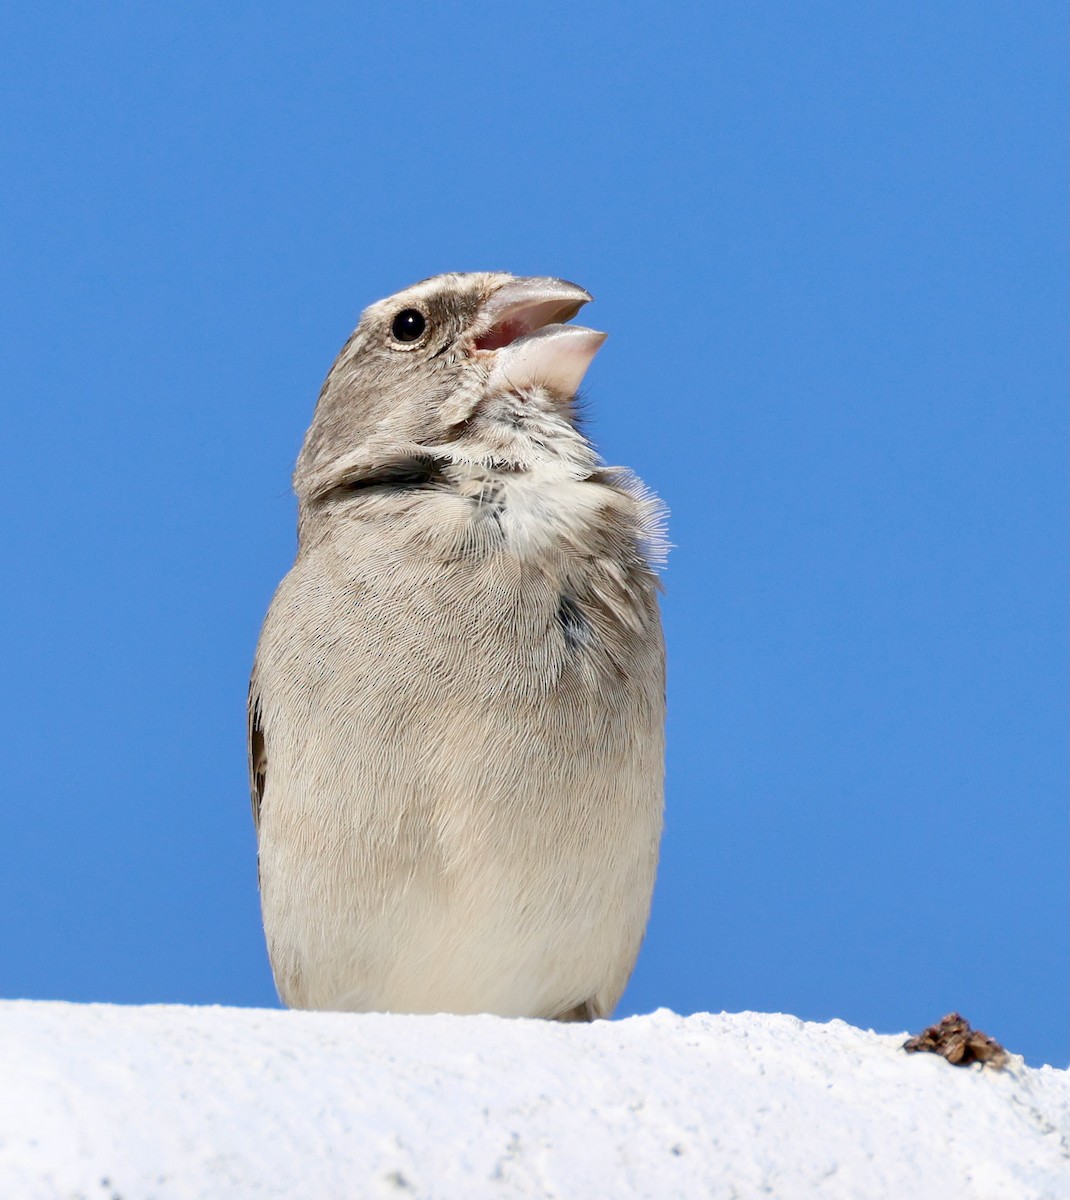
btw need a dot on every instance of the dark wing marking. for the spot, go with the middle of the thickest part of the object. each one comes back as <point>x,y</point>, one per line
<point>407,473</point>
<point>401,475</point>
<point>573,624</point>
<point>257,757</point>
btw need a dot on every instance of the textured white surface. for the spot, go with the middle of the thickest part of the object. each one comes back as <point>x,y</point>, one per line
<point>165,1102</point>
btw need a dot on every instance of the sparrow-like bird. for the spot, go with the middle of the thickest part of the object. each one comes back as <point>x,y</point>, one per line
<point>456,715</point>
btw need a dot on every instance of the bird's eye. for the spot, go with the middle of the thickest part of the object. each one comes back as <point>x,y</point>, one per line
<point>409,325</point>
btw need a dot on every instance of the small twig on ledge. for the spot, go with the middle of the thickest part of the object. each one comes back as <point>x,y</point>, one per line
<point>953,1038</point>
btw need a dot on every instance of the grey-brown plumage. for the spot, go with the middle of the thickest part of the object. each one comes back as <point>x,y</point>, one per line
<point>457,707</point>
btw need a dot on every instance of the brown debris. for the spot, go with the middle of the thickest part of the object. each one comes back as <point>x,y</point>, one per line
<point>953,1038</point>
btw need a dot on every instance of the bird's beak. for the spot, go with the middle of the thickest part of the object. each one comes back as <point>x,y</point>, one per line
<point>522,325</point>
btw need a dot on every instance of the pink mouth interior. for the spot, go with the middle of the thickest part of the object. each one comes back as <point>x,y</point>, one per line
<point>501,335</point>
<point>523,321</point>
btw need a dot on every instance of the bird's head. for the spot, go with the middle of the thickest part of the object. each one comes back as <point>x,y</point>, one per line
<point>479,368</point>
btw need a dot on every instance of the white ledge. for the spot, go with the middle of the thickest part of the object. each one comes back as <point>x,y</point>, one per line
<point>100,1101</point>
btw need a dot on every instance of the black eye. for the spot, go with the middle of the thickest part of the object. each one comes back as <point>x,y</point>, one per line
<point>409,325</point>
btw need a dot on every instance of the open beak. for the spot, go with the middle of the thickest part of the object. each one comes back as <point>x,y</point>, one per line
<point>522,324</point>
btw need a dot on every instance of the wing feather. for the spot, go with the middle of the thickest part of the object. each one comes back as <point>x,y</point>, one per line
<point>257,755</point>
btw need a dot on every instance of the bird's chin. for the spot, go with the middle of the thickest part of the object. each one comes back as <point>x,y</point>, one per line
<point>521,331</point>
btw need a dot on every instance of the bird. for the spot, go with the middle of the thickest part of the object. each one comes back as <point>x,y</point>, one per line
<point>457,705</point>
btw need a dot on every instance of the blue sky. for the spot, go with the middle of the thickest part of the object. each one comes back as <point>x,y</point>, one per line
<point>828,244</point>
